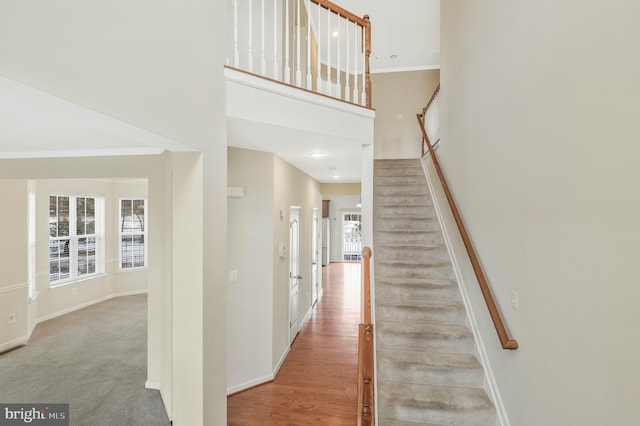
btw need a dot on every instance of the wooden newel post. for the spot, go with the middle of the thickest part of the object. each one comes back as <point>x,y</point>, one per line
<point>367,66</point>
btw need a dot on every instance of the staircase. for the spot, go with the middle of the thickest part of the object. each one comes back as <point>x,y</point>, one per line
<point>426,371</point>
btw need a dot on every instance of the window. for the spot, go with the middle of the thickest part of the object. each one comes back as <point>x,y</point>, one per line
<point>133,231</point>
<point>76,238</point>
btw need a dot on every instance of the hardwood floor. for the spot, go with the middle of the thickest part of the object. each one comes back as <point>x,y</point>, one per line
<point>317,382</point>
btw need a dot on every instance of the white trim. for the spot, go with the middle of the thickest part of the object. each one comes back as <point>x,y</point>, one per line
<point>260,380</point>
<point>307,317</point>
<point>83,153</point>
<point>33,297</point>
<point>152,385</point>
<point>12,344</point>
<point>76,281</point>
<point>494,391</point>
<point>89,303</point>
<point>248,80</point>
<point>14,287</point>
<point>404,69</point>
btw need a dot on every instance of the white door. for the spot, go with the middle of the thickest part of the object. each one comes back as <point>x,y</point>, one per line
<point>294,271</point>
<point>315,235</point>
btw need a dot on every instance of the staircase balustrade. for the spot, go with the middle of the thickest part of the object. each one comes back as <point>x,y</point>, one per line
<point>314,45</point>
<point>366,397</point>
<point>431,118</point>
<point>506,341</point>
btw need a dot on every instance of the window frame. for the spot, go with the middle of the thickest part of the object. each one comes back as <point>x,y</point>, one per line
<point>73,237</point>
<point>143,233</point>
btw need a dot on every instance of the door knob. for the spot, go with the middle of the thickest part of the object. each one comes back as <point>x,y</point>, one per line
<point>299,277</point>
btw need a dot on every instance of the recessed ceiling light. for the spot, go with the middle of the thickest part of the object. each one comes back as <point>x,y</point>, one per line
<point>336,176</point>
<point>335,34</point>
<point>317,154</point>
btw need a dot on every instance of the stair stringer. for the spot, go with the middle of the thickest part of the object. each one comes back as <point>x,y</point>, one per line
<point>440,203</point>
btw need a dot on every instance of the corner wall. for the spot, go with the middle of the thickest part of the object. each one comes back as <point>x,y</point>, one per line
<point>539,144</point>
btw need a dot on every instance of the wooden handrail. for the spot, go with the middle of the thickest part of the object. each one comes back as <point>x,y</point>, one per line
<point>366,396</point>
<point>366,294</point>
<point>505,340</point>
<point>424,111</point>
<point>332,7</point>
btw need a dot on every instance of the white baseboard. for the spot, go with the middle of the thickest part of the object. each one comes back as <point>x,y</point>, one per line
<point>494,391</point>
<point>15,343</point>
<point>259,380</point>
<point>152,385</point>
<point>89,303</point>
<point>307,317</point>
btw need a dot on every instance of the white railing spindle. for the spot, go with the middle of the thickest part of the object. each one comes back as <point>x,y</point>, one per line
<point>276,70</point>
<point>338,93</point>
<point>328,87</point>
<point>319,49</point>
<point>263,59</point>
<point>250,52</point>
<point>298,70</point>
<point>309,80</point>
<point>347,77</point>
<point>287,47</point>
<point>236,50</point>
<point>355,65</point>
<point>364,94</point>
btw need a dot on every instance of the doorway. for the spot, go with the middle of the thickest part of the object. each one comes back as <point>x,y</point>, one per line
<point>351,236</point>
<point>315,236</point>
<point>294,271</point>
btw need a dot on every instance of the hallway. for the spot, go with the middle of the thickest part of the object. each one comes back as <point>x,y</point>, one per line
<point>317,383</point>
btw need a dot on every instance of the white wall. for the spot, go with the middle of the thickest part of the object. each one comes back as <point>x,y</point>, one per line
<point>158,66</point>
<point>250,241</point>
<point>399,96</point>
<point>539,121</point>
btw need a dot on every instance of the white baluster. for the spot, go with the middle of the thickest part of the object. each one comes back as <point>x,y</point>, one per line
<point>263,59</point>
<point>276,71</point>
<point>318,61</point>
<point>298,70</point>
<point>236,51</point>
<point>250,54</point>
<point>309,80</point>
<point>355,64</point>
<point>364,87</point>
<point>328,87</point>
<point>338,72</point>
<point>347,77</point>
<point>287,24</point>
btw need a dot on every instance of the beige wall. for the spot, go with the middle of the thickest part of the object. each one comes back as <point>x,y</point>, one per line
<point>328,189</point>
<point>292,187</point>
<point>541,154</point>
<point>249,306</point>
<point>405,94</point>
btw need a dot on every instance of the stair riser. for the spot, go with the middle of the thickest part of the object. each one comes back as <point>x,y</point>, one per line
<point>439,415</point>
<point>404,212</point>
<point>411,314</point>
<point>394,291</point>
<point>409,190</point>
<point>440,271</point>
<point>399,180</point>
<point>430,239</point>
<point>415,254</point>
<point>401,200</point>
<point>397,162</point>
<point>418,374</point>
<point>442,343</point>
<point>398,171</point>
<point>399,224</point>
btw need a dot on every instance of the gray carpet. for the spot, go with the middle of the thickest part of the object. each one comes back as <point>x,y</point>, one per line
<point>426,371</point>
<point>94,359</point>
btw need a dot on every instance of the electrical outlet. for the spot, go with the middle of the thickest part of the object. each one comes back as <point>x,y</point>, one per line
<point>74,291</point>
<point>12,318</point>
<point>233,276</point>
<point>514,300</point>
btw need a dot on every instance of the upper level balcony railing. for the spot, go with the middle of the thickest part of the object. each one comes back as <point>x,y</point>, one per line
<point>311,44</point>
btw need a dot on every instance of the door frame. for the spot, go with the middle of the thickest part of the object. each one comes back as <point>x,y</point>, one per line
<point>294,257</point>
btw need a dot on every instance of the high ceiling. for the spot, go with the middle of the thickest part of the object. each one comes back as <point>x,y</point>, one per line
<point>405,36</point>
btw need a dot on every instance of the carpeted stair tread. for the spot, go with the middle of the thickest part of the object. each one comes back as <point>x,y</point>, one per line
<point>433,368</point>
<point>420,311</point>
<point>443,338</point>
<point>448,405</point>
<point>426,371</point>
